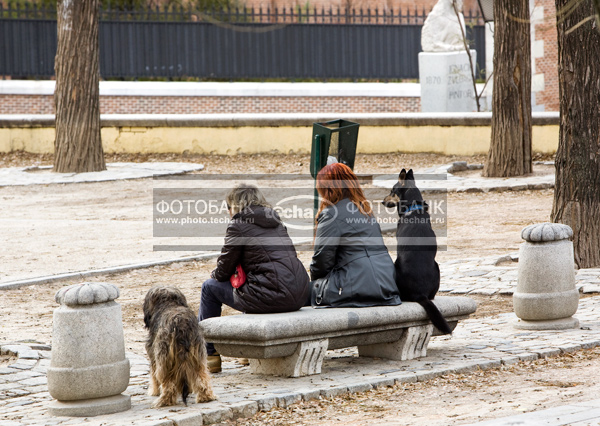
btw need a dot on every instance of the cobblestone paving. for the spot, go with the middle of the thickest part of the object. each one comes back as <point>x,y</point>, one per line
<point>477,343</point>
<point>498,275</point>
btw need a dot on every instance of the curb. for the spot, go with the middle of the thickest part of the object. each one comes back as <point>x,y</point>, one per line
<point>126,268</point>
<point>278,119</point>
<point>92,273</point>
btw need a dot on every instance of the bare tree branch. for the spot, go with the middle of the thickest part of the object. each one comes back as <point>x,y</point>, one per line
<point>580,23</point>
<point>464,38</point>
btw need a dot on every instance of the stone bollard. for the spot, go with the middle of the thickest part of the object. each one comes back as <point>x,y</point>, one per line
<point>88,368</point>
<point>546,297</point>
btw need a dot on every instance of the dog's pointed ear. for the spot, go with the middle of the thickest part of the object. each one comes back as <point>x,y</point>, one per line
<point>402,176</point>
<point>410,175</point>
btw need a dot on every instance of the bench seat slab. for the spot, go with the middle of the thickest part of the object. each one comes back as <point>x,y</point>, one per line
<point>293,344</point>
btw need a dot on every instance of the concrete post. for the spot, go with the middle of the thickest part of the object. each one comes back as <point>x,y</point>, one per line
<point>546,297</point>
<point>88,370</point>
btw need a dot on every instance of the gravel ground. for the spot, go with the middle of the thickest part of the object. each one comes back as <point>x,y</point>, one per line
<point>479,224</point>
<point>86,226</point>
<point>257,163</point>
<point>453,399</point>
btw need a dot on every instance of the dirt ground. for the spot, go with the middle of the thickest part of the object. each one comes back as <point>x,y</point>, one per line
<point>63,228</point>
<point>453,399</point>
<point>479,224</point>
<point>262,163</point>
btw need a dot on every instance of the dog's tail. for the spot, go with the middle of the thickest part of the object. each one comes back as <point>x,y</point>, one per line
<point>185,391</point>
<point>435,315</point>
<point>180,354</point>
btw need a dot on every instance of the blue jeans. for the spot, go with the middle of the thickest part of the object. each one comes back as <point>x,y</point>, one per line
<point>212,297</point>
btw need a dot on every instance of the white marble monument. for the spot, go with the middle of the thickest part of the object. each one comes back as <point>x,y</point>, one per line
<point>444,66</point>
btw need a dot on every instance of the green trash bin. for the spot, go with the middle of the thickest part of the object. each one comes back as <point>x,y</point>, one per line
<point>333,140</point>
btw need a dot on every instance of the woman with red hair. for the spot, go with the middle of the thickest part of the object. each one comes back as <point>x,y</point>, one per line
<point>351,265</point>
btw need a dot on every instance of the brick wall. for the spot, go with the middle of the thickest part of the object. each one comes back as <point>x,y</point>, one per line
<point>547,65</point>
<point>28,104</point>
<point>44,104</point>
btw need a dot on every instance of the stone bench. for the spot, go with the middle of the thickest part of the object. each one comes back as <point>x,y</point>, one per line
<point>293,344</point>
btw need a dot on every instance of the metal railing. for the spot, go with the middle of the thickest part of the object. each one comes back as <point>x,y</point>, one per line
<point>298,15</point>
<point>183,43</point>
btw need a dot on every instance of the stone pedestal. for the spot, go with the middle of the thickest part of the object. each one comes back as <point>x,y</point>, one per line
<point>88,370</point>
<point>413,344</point>
<point>546,297</point>
<point>446,82</point>
<point>306,360</point>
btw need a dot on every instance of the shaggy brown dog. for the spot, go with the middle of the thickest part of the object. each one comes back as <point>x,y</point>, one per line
<point>176,349</point>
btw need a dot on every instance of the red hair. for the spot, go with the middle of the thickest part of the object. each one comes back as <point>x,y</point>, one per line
<point>337,181</point>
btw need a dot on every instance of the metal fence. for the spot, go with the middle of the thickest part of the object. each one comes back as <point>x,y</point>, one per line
<point>182,43</point>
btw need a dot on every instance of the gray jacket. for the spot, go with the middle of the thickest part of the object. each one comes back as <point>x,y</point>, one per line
<point>350,253</point>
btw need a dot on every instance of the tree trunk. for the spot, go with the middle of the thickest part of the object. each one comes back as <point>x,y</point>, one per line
<point>77,146</point>
<point>510,145</point>
<point>577,192</point>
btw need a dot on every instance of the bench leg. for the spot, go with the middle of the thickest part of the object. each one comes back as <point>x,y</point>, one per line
<point>412,344</point>
<point>305,361</point>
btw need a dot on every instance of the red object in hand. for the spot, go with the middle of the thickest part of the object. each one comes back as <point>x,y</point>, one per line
<point>238,278</point>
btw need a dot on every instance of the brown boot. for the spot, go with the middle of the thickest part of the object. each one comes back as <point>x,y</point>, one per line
<point>214,363</point>
<point>243,361</point>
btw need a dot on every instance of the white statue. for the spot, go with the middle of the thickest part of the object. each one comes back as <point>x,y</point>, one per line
<point>442,29</point>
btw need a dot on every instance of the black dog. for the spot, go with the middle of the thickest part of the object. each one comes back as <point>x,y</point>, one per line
<point>417,272</point>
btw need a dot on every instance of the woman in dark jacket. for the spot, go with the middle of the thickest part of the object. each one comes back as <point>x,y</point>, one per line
<point>257,240</point>
<point>351,265</point>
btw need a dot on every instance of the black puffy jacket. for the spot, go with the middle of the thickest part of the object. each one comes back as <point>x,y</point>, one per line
<point>276,279</point>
